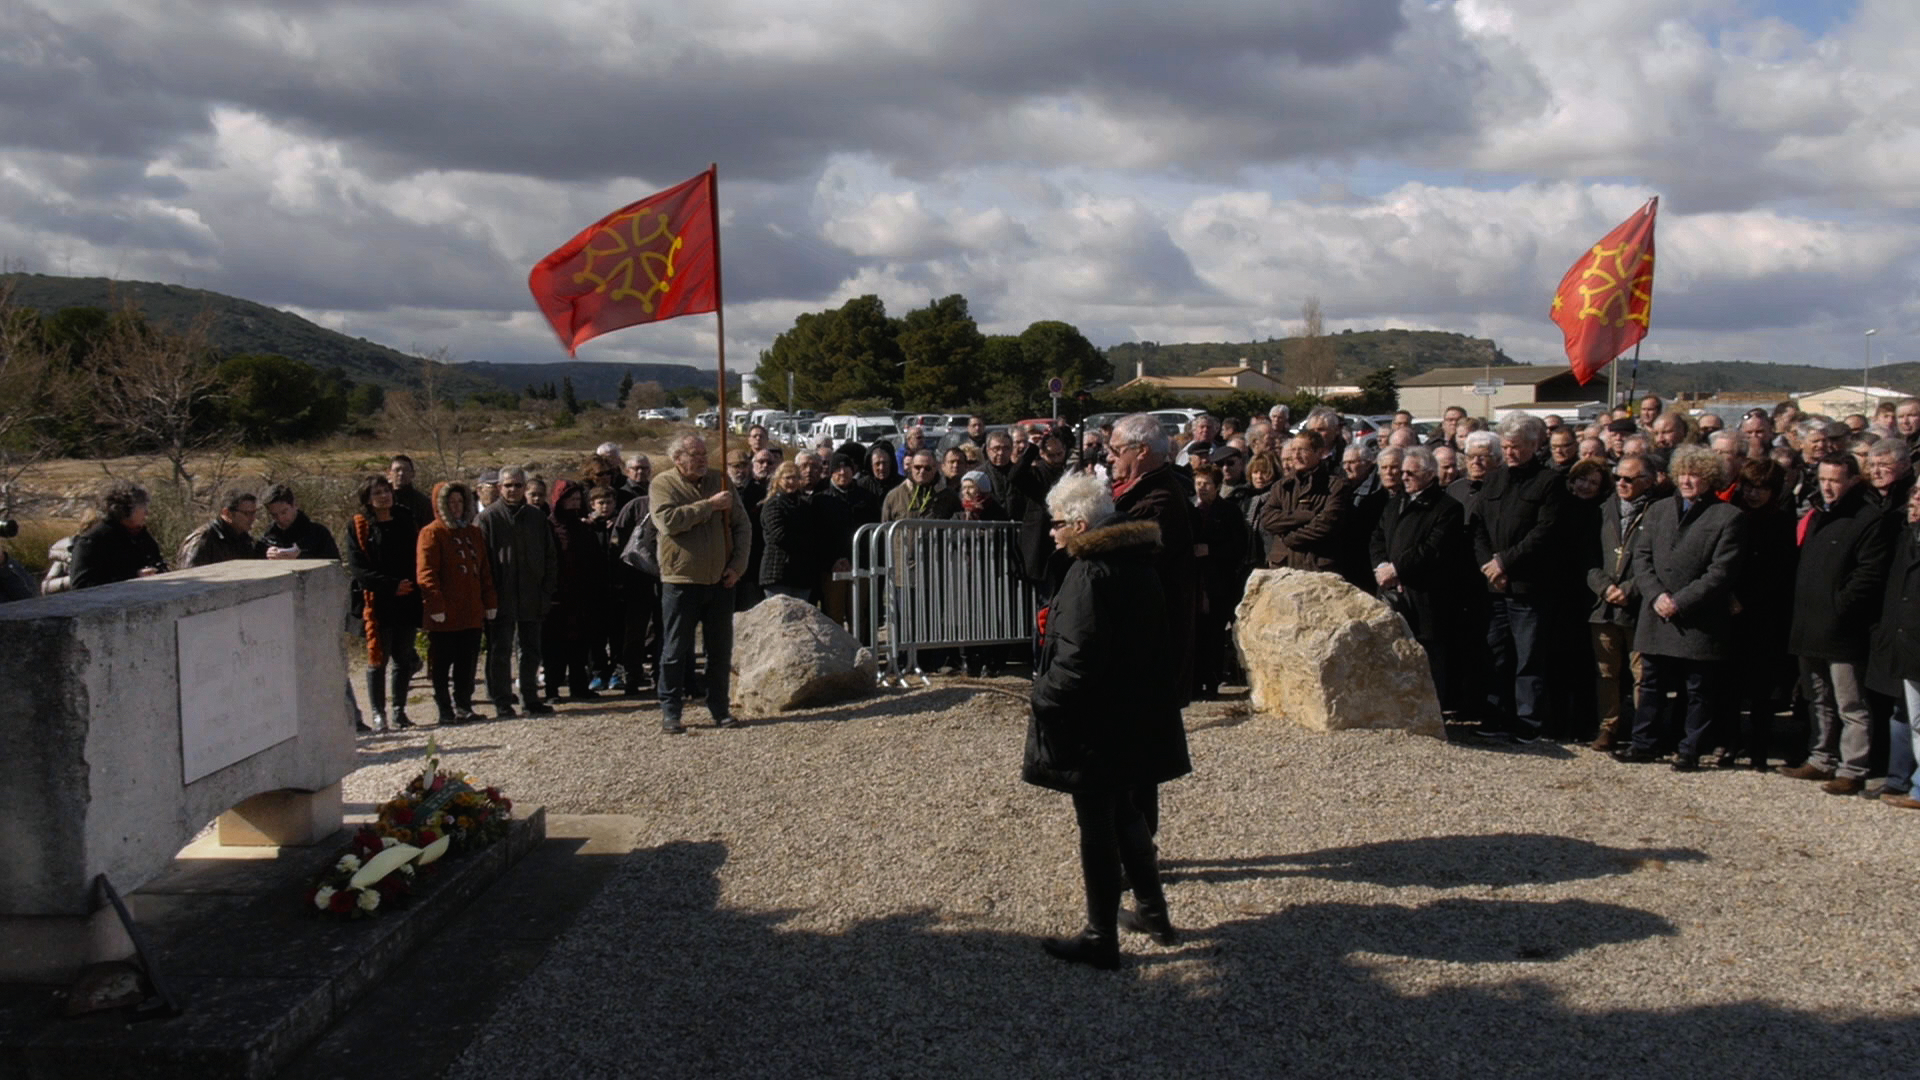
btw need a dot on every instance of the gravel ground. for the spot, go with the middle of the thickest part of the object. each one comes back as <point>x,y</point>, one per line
<point>859,891</point>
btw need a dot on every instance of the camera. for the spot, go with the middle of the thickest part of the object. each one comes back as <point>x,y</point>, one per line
<point>9,528</point>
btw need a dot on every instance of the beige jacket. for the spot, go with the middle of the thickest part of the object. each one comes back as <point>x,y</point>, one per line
<point>693,535</point>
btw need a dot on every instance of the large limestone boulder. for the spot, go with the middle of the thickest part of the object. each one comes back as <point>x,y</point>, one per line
<point>1329,657</point>
<point>788,655</point>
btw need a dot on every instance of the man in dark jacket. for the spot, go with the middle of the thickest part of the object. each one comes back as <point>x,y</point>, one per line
<point>1616,598</point>
<point>1303,518</point>
<point>1893,666</point>
<point>416,502</point>
<point>1105,720</point>
<point>228,536</point>
<point>294,535</point>
<point>1145,488</point>
<point>1513,542</point>
<point>526,575</point>
<point>118,547</point>
<point>1683,559</point>
<point>1421,567</point>
<point>1836,599</point>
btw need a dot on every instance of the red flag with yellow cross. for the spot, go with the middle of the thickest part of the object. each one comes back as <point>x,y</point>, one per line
<point>654,259</point>
<point>1605,302</point>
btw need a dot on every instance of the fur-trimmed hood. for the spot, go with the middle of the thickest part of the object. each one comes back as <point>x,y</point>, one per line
<point>1114,535</point>
<point>440,493</point>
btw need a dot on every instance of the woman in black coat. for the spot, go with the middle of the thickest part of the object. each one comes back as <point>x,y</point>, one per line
<point>1422,566</point>
<point>1106,713</point>
<point>790,565</point>
<point>1220,550</point>
<point>382,549</point>
<point>118,547</point>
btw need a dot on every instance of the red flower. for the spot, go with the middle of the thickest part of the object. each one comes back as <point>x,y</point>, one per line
<point>493,793</point>
<point>341,903</point>
<point>428,836</point>
<point>403,816</point>
<point>439,782</point>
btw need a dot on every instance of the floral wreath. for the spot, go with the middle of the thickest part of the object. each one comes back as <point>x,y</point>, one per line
<point>438,813</point>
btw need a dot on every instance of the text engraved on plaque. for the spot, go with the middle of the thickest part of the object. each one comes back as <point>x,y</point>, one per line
<point>237,692</point>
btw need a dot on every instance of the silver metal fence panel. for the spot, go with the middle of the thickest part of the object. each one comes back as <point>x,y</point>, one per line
<point>937,584</point>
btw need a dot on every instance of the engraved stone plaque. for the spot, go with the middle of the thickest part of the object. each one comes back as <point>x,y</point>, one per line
<point>237,694</point>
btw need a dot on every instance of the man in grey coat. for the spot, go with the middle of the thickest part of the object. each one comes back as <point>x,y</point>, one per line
<point>1684,559</point>
<point>1616,599</point>
<point>526,574</point>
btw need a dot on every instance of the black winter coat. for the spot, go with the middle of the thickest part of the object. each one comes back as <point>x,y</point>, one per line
<point>1159,497</point>
<point>1759,586</point>
<point>1692,558</point>
<point>110,552</point>
<point>380,562</point>
<point>1106,701</point>
<point>1028,482</point>
<point>1519,521</point>
<point>1222,527</point>
<point>1424,536</point>
<point>1836,590</point>
<point>792,554</point>
<point>1895,654</point>
<point>314,540</point>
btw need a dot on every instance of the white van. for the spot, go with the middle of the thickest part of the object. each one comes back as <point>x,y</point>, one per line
<point>861,429</point>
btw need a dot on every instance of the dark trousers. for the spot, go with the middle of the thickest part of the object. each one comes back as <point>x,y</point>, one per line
<point>1517,687</point>
<point>501,634</point>
<point>452,656</point>
<point>709,608</point>
<point>403,660</point>
<point>1699,684</point>
<point>644,628</point>
<point>1113,834</point>
<point>564,653</point>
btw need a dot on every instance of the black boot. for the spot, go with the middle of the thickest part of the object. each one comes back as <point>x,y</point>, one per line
<point>377,698</point>
<point>1154,924</point>
<point>1089,947</point>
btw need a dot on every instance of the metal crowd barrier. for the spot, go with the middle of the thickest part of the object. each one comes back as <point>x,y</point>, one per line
<point>937,584</point>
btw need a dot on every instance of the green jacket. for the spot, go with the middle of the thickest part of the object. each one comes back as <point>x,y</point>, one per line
<point>694,537</point>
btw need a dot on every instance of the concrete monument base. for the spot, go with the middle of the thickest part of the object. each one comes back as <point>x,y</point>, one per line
<point>282,819</point>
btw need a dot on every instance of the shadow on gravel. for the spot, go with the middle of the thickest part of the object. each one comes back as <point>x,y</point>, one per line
<point>885,703</point>
<point>414,751</point>
<point>658,974</point>
<point>1441,862</point>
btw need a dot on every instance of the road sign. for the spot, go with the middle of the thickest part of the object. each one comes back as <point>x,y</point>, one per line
<point>1056,387</point>
<point>1488,387</point>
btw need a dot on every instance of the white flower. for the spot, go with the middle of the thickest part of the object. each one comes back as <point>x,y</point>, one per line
<point>407,869</point>
<point>348,863</point>
<point>320,898</point>
<point>387,841</point>
<point>369,900</point>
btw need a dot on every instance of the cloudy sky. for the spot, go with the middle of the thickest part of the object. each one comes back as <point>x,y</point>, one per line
<point>1144,170</point>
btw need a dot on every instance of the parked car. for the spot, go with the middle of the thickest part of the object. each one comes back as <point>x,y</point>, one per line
<point>860,429</point>
<point>709,419</point>
<point>652,414</point>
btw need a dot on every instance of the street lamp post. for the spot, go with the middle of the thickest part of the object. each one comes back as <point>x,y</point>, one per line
<point>1866,372</point>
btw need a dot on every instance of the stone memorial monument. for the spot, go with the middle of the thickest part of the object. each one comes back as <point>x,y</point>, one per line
<point>132,715</point>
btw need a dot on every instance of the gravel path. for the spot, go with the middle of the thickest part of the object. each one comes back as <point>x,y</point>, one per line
<point>858,891</point>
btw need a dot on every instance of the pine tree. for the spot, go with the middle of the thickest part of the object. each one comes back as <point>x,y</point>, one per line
<point>567,399</point>
<point>626,387</point>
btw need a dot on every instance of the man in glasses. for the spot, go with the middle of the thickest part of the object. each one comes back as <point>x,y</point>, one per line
<point>1616,603</point>
<point>228,536</point>
<point>920,496</point>
<point>526,574</point>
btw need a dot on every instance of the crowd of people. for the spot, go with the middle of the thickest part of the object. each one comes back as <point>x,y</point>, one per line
<point>1659,586</point>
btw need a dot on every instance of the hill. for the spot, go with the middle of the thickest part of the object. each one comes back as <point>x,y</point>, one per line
<point>238,326</point>
<point>1356,353</point>
<point>594,381</point>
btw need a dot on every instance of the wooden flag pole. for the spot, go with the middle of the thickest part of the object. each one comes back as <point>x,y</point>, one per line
<point>1633,381</point>
<point>719,322</point>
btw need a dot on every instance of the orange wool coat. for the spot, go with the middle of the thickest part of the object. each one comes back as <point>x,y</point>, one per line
<point>456,576</point>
